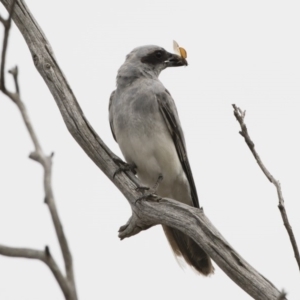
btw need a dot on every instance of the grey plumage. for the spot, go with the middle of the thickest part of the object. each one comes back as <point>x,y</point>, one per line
<point>145,124</point>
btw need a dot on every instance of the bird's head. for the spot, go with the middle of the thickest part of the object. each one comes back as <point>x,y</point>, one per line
<point>157,57</point>
<point>151,60</point>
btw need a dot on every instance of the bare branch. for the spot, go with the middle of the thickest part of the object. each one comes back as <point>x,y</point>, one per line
<point>6,24</point>
<point>175,214</point>
<point>240,116</point>
<point>43,256</point>
<point>46,162</point>
<point>161,211</point>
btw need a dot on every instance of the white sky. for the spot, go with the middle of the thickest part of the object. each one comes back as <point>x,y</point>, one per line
<point>243,52</point>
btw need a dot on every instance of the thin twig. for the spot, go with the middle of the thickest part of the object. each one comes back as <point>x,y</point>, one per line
<point>240,116</point>
<point>14,72</point>
<point>282,295</point>
<point>46,161</point>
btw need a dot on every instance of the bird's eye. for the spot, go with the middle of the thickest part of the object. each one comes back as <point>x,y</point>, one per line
<point>158,54</point>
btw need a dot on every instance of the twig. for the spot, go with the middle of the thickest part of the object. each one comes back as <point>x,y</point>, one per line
<point>46,161</point>
<point>14,72</point>
<point>240,116</point>
<point>282,295</point>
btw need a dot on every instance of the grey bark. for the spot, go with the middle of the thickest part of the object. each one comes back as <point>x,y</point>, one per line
<point>145,214</point>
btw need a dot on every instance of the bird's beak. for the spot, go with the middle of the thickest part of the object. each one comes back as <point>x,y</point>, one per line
<point>175,60</point>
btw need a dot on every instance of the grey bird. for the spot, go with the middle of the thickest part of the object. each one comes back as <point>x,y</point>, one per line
<point>145,123</point>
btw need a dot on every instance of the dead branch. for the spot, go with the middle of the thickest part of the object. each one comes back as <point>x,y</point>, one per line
<point>67,284</point>
<point>240,116</point>
<point>6,23</point>
<point>45,257</point>
<point>189,220</point>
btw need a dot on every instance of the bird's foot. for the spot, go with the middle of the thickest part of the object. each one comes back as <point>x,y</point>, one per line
<point>123,167</point>
<point>142,189</point>
<point>151,191</point>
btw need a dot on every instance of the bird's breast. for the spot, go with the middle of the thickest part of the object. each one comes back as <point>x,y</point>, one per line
<point>144,140</point>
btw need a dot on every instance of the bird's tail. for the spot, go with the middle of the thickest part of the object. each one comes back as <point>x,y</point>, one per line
<point>184,246</point>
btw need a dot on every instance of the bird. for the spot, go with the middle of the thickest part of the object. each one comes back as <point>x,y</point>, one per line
<point>144,122</point>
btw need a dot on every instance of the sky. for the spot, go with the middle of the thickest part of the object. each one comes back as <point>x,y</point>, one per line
<point>242,52</point>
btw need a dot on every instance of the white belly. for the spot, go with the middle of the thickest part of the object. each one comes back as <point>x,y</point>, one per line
<point>154,154</point>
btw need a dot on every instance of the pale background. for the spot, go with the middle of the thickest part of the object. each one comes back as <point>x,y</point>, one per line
<point>243,52</point>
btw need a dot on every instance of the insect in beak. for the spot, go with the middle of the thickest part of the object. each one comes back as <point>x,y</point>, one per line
<point>179,50</point>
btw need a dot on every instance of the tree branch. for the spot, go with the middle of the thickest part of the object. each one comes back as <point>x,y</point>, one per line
<point>240,116</point>
<point>189,220</point>
<point>6,23</point>
<point>68,285</point>
<point>44,256</point>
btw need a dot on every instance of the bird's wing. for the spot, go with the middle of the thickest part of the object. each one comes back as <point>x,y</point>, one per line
<point>111,98</point>
<point>170,115</point>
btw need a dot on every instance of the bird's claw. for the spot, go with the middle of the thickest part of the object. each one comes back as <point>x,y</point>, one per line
<point>151,196</point>
<point>152,191</point>
<point>142,189</point>
<point>123,167</point>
